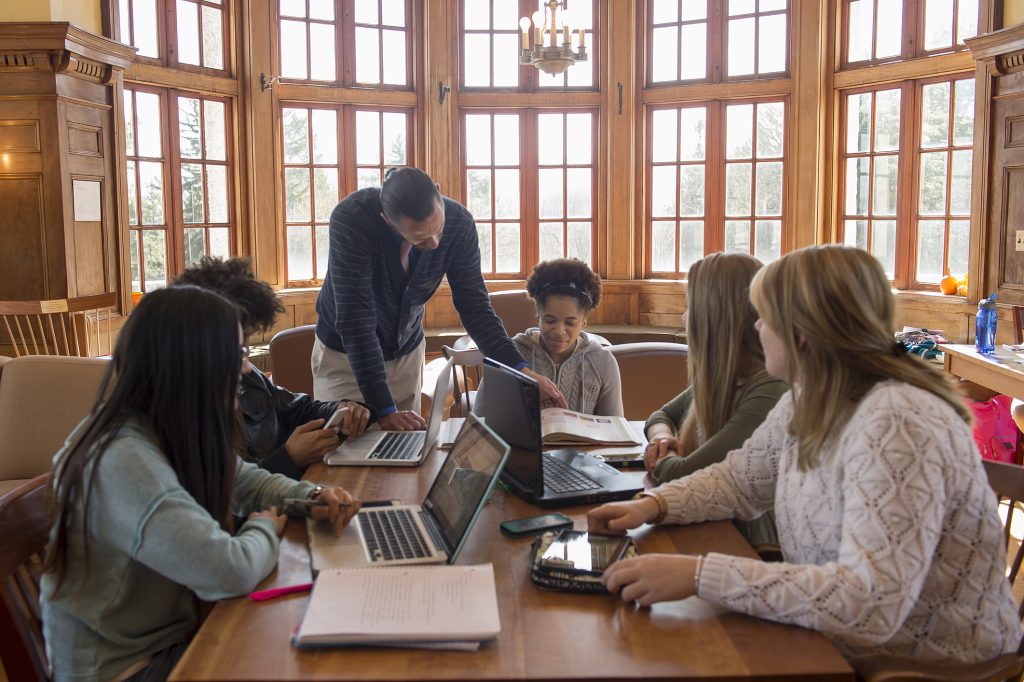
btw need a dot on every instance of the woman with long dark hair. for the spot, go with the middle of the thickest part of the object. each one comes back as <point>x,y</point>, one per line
<point>145,489</point>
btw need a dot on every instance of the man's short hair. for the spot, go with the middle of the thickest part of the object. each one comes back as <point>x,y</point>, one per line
<point>408,193</point>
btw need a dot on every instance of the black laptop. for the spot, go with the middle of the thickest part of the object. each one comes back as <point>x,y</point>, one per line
<point>509,403</point>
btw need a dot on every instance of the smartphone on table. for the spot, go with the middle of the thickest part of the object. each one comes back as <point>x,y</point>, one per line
<point>535,525</point>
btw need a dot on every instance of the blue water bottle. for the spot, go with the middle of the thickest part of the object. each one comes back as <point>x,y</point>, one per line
<point>985,329</point>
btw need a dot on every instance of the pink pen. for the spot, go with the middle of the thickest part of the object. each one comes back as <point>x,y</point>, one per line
<point>264,595</point>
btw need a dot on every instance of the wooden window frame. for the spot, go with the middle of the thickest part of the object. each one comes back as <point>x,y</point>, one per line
<point>909,173</point>
<point>346,164</point>
<point>717,21</point>
<point>527,74</point>
<point>174,230</point>
<point>912,34</point>
<point>715,163</point>
<point>167,36</point>
<point>529,189</point>
<point>345,46</point>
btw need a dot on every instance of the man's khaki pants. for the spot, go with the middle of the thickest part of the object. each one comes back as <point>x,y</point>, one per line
<point>333,378</point>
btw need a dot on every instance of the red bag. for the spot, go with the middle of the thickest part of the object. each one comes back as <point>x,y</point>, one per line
<point>995,432</point>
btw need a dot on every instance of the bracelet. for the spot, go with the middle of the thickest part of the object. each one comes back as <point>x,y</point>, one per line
<point>659,500</point>
<point>316,492</point>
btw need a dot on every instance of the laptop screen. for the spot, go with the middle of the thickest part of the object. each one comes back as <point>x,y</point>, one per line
<point>465,479</point>
<point>509,402</point>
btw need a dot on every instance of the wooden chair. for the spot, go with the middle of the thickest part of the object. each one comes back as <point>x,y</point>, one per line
<point>290,352</point>
<point>467,373</point>
<point>515,309</point>
<point>24,530</point>
<point>71,326</point>
<point>1007,480</point>
<point>653,372</point>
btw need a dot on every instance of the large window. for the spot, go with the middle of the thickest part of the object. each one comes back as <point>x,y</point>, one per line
<point>537,210</point>
<point>691,40</point>
<point>328,153</point>
<point>323,40</point>
<point>905,151</point>
<point>179,175</point>
<point>705,196</point>
<point>492,39</point>
<point>197,30</point>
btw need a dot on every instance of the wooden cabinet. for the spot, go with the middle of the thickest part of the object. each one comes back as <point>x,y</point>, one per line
<point>58,174</point>
<point>998,189</point>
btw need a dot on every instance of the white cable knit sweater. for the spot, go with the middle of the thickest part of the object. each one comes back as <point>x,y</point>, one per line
<point>892,543</point>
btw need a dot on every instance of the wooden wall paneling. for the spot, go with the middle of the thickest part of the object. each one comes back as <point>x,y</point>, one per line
<point>811,89</point>
<point>618,123</point>
<point>22,260</point>
<point>264,224</point>
<point>615,308</point>
<point>440,150</point>
<point>60,78</point>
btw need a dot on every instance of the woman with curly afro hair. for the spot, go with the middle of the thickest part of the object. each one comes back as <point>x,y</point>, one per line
<point>566,291</point>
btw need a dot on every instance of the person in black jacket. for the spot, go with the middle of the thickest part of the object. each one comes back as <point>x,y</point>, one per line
<point>285,429</point>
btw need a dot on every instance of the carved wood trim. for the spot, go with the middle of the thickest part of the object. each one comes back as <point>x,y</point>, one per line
<point>62,48</point>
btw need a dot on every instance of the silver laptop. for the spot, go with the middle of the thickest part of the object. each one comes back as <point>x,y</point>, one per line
<point>432,533</point>
<point>396,448</point>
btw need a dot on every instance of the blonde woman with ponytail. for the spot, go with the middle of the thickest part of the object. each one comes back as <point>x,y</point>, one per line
<point>730,392</point>
<point>886,521</point>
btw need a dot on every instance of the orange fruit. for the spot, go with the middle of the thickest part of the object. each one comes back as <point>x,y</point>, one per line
<point>961,290</point>
<point>948,285</point>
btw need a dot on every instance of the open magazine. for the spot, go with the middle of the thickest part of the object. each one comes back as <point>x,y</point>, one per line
<point>567,427</point>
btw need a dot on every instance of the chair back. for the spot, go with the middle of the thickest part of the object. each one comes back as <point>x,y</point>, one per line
<point>42,399</point>
<point>290,352</point>
<point>653,372</point>
<point>1007,480</point>
<point>71,326</point>
<point>24,530</point>
<point>515,309</point>
<point>467,373</point>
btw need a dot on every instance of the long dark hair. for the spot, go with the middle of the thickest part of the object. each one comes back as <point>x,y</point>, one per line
<point>175,368</point>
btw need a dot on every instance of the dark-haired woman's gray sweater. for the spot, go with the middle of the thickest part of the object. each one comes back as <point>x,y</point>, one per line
<point>151,548</point>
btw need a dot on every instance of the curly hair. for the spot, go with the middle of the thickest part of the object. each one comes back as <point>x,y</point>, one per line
<point>565,277</point>
<point>235,280</point>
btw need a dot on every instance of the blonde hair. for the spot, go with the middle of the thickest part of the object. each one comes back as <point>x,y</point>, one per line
<point>832,308</point>
<point>724,346</point>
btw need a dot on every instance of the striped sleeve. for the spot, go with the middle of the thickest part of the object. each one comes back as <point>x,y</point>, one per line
<point>354,308</point>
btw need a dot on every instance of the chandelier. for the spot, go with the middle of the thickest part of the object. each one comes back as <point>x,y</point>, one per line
<point>553,58</point>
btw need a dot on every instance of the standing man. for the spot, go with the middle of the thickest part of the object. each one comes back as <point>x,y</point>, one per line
<point>390,248</point>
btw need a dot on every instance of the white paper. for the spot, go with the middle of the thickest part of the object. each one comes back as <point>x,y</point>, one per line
<point>401,604</point>
<point>86,195</point>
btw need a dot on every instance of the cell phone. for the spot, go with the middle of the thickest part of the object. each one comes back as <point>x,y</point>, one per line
<point>337,418</point>
<point>578,550</point>
<point>535,525</point>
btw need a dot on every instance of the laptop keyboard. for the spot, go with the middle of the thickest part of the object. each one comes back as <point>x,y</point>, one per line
<point>398,446</point>
<point>559,477</point>
<point>392,534</point>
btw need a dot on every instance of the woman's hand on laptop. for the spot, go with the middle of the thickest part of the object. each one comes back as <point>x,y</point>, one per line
<point>403,420</point>
<point>550,395</point>
<point>618,517</point>
<point>339,509</point>
<point>310,442</point>
<point>354,422</point>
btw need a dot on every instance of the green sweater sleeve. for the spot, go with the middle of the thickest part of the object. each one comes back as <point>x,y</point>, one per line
<point>752,406</point>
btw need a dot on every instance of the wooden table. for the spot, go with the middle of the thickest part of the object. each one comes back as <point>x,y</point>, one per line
<point>545,635</point>
<point>1002,372</point>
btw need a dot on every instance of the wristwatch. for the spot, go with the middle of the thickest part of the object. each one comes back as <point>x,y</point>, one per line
<point>316,492</point>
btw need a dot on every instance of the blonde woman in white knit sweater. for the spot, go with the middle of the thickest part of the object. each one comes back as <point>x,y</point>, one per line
<point>884,513</point>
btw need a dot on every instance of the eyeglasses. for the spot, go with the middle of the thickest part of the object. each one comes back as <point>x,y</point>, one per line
<point>243,353</point>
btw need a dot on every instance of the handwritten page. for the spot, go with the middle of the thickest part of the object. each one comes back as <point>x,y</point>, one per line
<point>401,604</point>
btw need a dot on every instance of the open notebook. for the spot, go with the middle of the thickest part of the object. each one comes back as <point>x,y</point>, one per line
<point>401,605</point>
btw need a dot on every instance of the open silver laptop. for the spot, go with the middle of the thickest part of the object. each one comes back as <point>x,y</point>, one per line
<point>432,533</point>
<point>396,448</point>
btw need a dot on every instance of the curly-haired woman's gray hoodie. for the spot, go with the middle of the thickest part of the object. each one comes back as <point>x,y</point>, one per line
<point>589,379</point>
